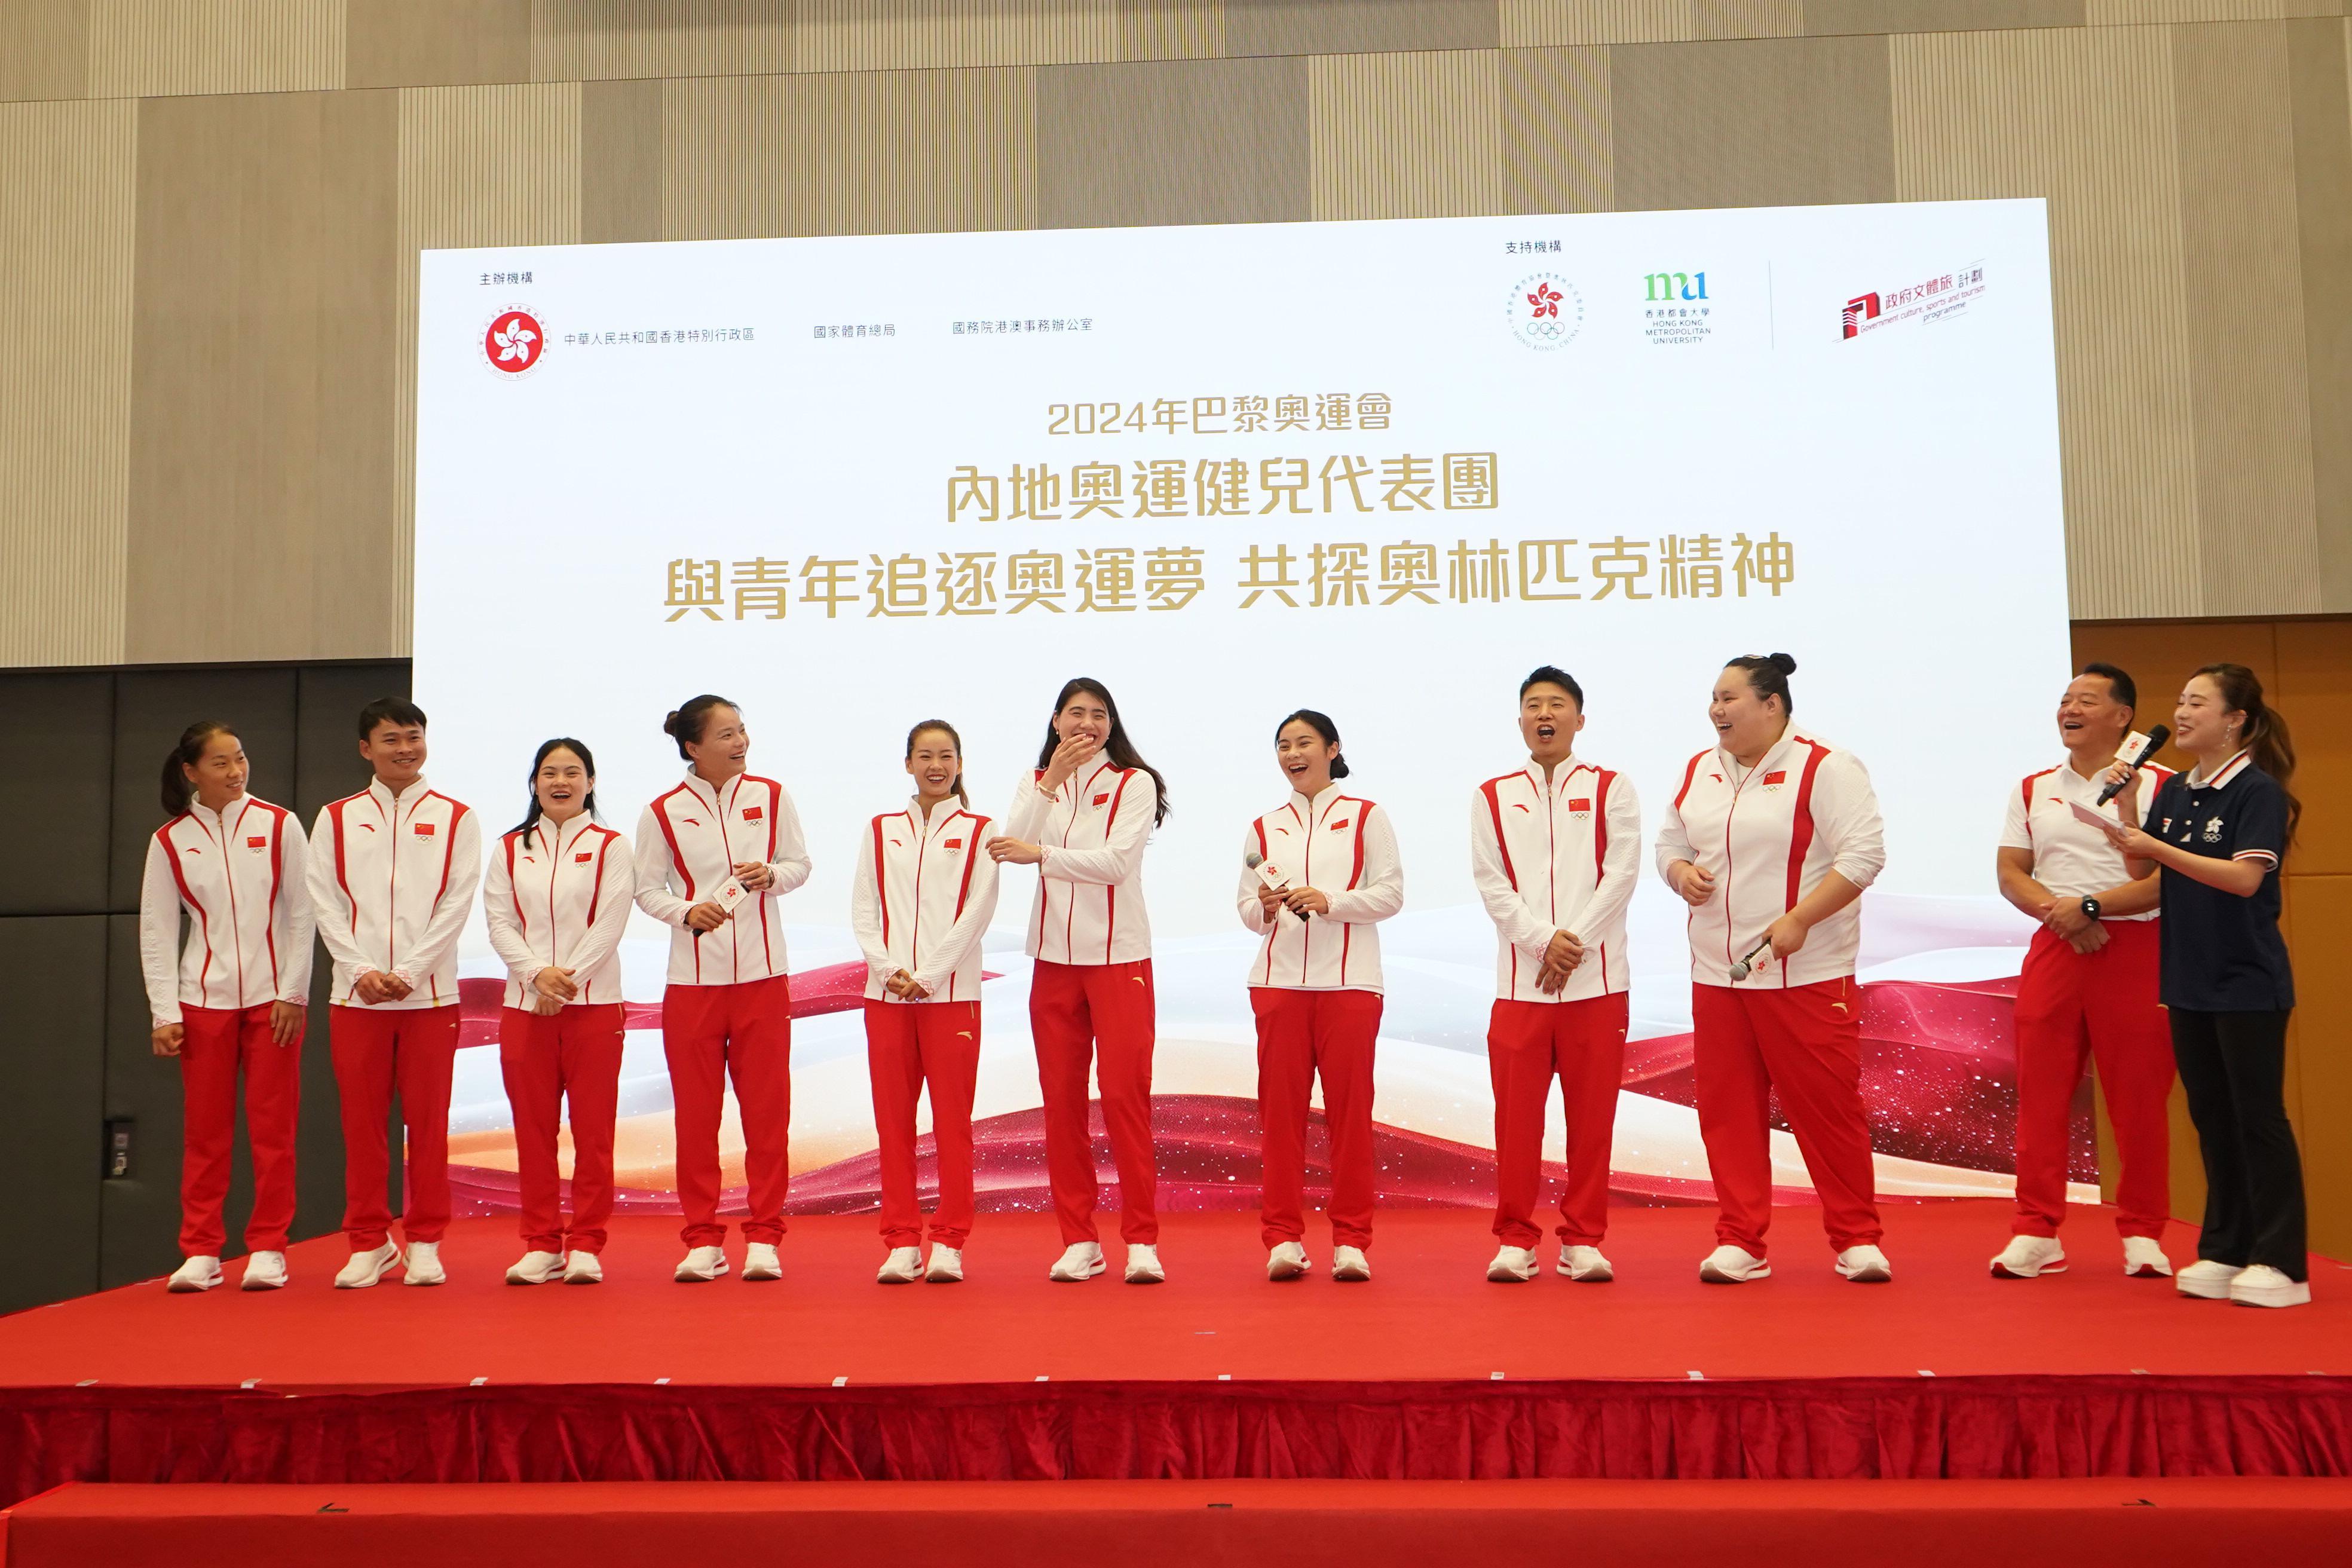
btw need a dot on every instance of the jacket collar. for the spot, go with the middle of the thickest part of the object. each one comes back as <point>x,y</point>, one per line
<point>1568,768</point>
<point>391,803</point>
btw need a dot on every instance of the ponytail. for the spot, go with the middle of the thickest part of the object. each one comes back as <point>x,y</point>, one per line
<point>2265,736</point>
<point>944,728</point>
<point>177,792</point>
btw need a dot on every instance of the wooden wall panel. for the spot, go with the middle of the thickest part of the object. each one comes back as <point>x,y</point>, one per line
<point>1172,29</point>
<point>1175,141</point>
<point>260,520</point>
<point>924,35</point>
<point>620,161</point>
<point>154,47</point>
<point>877,152</point>
<point>436,43</point>
<point>2256,527</point>
<point>1558,154</point>
<point>43,48</point>
<point>2145,12</point>
<point>2322,1105</point>
<point>1765,122</point>
<point>1357,26</point>
<point>477,165</point>
<point>1410,135</point>
<point>1938,16</point>
<point>2319,71</point>
<point>2085,119</point>
<point>67,202</point>
<point>1534,23</point>
<point>577,40</point>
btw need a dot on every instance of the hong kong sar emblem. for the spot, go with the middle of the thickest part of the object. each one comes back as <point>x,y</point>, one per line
<point>1545,311</point>
<point>513,342</point>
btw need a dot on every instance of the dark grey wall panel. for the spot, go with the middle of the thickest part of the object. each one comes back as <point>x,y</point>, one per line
<point>62,724</point>
<point>151,706</point>
<point>327,755</point>
<point>52,1050</point>
<point>139,1214</point>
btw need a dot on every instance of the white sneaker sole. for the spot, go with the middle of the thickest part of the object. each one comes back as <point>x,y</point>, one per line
<point>516,1276</point>
<point>1709,1274</point>
<point>179,1287</point>
<point>2003,1271</point>
<point>2201,1290</point>
<point>1287,1270</point>
<point>1140,1277</point>
<point>941,1277</point>
<point>1502,1274</point>
<point>1868,1274</point>
<point>1601,1275</point>
<point>251,1283</point>
<point>1352,1273</point>
<point>571,1278</point>
<point>373,1280</point>
<point>1061,1276</point>
<point>436,1278</point>
<point>689,1277</point>
<point>2297,1296</point>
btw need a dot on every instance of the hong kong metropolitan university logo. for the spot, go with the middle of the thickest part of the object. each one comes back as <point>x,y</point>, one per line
<point>1545,311</point>
<point>513,341</point>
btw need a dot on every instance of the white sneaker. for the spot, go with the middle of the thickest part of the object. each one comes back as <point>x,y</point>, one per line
<point>1288,1261</point>
<point>366,1267</point>
<point>583,1268</point>
<point>196,1274</point>
<point>1079,1261</point>
<point>423,1264</point>
<point>701,1265</point>
<point>2029,1258</point>
<point>2264,1286</point>
<point>1143,1264</point>
<point>1729,1265</point>
<point>2144,1258</point>
<point>2206,1280</point>
<point>759,1261</point>
<point>1512,1266</point>
<point>537,1268</point>
<point>947,1266</point>
<point>903,1267</point>
<point>1585,1264</point>
<point>1865,1265</point>
<point>264,1271</point>
<point>1350,1264</point>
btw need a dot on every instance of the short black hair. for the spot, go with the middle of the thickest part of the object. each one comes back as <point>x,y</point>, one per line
<point>397,710</point>
<point>1554,675</point>
<point>2118,682</point>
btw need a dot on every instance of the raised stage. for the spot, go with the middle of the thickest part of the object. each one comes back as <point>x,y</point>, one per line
<point>1428,1372</point>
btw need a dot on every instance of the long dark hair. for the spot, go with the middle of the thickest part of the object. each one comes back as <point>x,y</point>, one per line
<point>1321,724</point>
<point>587,766</point>
<point>1117,748</point>
<point>1768,676</point>
<point>944,728</point>
<point>689,718</point>
<point>2265,733</point>
<point>178,791</point>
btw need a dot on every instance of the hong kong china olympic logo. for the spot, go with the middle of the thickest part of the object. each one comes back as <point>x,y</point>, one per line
<point>1545,311</point>
<point>513,342</point>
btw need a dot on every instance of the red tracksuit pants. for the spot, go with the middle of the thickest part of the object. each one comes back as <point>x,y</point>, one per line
<point>1805,1043</point>
<point>215,1044</point>
<point>1529,1044</point>
<point>710,1034</point>
<point>1099,1016</point>
<point>909,1044</point>
<point>377,1050</point>
<point>1300,1035</point>
<point>544,1058</point>
<point>2073,1007</point>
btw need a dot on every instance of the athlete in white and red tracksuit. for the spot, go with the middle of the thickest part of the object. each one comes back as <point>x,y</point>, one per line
<point>556,895</point>
<point>1083,818</point>
<point>924,893</point>
<point>1327,875</point>
<point>1555,850</point>
<point>392,872</point>
<point>233,997</point>
<point>1776,833</point>
<point>727,1012</point>
<point>2088,989</point>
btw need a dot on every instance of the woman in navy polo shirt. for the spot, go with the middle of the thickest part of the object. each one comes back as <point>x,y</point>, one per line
<point>2218,832</point>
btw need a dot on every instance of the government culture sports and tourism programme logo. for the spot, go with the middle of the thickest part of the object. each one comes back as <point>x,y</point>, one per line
<point>513,341</point>
<point>1545,311</point>
<point>1936,298</point>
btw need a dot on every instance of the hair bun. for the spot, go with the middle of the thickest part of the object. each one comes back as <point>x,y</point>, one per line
<point>1783,663</point>
<point>669,724</point>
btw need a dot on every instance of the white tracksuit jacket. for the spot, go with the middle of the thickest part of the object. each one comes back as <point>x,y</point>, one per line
<point>1089,903</point>
<point>239,875</point>
<point>392,881</point>
<point>560,895</point>
<point>691,838</point>
<point>1342,846</point>
<point>922,898</point>
<point>1553,857</point>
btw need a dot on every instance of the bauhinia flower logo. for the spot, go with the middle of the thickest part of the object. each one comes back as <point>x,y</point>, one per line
<point>514,341</point>
<point>1546,300</point>
<point>1545,310</point>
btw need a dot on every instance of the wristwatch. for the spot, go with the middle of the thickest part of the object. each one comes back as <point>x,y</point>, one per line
<point>2090,908</point>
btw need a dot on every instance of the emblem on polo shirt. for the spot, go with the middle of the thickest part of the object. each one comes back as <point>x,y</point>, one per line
<point>1776,778</point>
<point>2213,831</point>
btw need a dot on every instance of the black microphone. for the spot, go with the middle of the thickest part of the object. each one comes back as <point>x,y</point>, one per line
<point>2155,740</point>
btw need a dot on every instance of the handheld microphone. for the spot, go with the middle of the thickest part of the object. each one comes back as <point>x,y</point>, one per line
<point>2155,740</point>
<point>1272,876</point>
<point>1747,967</point>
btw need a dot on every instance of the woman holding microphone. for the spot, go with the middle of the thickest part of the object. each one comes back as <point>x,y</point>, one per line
<point>713,856</point>
<point>924,894</point>
<point>2217,833</point>
<point>1083,818</point>
<point>235,998</point>
<point>1318,873</point>
<point>556,897</point>
<point>1770,840</point>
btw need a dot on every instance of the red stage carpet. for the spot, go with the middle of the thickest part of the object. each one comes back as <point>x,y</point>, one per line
<point>827,1375</point>
<point>1193,1524</point>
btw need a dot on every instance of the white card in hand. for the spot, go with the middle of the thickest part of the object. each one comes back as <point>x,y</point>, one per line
<point>2100,820</point>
